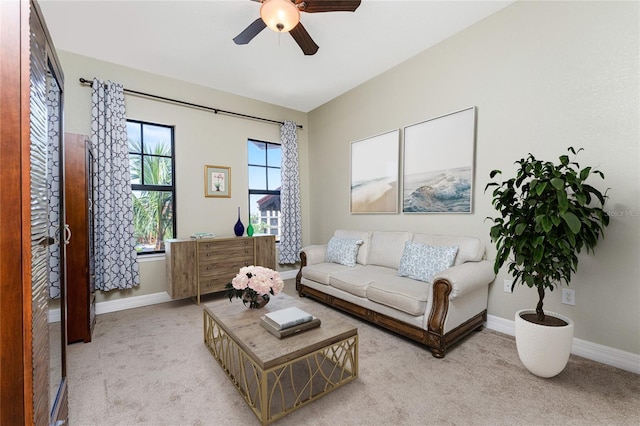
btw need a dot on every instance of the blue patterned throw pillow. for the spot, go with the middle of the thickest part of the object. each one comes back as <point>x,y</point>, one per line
<point>343,251</point>
<point>422,261</point>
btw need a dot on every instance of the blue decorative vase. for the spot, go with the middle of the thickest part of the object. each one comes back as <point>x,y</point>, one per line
<point>239,227</point>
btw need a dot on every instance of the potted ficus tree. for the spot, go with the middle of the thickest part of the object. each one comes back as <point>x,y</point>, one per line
<point>547,215</point>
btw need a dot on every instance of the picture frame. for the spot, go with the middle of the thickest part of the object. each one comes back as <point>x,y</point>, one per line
<point>375,172</point>
<point>438,164</point>
<point>217,181</point>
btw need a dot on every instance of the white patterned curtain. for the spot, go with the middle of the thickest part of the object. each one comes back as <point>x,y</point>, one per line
<point>115,256</point>
<point>53,185</point>
<point>291,231</point>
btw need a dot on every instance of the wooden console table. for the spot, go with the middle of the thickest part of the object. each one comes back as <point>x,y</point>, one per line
<point>203,266</point>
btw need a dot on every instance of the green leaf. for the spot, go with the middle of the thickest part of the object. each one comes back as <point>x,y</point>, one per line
<point>571,220</point>
<point>563,201</point>
<point>541,187</point>
<point>520,228</point>
<point>581,199</point>
<point>537,254</point>
<point>564,159</point>
<point>557,183</point>
<point>584,173</point>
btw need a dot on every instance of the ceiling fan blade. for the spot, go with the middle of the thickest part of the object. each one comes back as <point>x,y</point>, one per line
<point>315,6</point>
<point>250,32</point>
<point>304,40</point>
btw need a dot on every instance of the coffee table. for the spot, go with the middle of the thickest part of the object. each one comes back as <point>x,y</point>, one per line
<point>277,376</point>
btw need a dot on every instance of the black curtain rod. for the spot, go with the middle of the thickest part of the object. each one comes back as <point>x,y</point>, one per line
<point>189,104</point>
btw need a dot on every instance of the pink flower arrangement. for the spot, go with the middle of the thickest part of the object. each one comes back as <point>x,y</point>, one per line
<point>257,281</point>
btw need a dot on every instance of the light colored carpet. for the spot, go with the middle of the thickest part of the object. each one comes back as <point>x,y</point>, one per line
<point>149,366</point>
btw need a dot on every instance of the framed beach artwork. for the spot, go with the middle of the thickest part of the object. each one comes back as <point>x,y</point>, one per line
<point>375,170</point>
<point>217,181</point>
<point>439,164</point>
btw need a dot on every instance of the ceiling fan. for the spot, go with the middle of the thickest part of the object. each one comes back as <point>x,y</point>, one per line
<point>284,16</point>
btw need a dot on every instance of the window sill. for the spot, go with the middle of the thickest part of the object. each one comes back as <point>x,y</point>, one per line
<point>142,258</point>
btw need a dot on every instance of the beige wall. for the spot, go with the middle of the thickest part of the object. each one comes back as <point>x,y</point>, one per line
<point>201,138</point>
<point>544,76</point>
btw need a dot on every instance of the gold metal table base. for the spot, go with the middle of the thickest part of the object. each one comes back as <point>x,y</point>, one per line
<point>275,392</point>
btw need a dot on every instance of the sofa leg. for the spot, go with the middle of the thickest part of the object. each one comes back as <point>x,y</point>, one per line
<point>438,353</point>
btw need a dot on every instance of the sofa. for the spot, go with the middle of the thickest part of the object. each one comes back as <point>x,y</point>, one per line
<point>429,288</point>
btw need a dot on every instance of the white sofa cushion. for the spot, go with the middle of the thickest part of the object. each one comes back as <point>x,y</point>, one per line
<point>387,247</point>
<point>422,261</point>
<point>469,249</point>
<point>357,281</point>
<point>363,251</point>
<point>321,272</point>
<point>343,251</point>
<point>404,294</point>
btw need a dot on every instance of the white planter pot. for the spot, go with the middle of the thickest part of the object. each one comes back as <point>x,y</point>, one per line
<point>543,350</point>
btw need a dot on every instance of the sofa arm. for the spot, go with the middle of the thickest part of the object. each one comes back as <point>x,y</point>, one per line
<point>468,277</point>
<point>315,254</point>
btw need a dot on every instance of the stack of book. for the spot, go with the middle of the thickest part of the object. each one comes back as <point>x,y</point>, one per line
<point>288,321</point>
<point>200,235</point>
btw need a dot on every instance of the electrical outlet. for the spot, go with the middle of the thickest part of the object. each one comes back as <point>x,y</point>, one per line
<point>569,296</point>
<point>507,286</point>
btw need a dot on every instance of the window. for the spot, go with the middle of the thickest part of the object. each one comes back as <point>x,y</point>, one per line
<point>264,186</point>
<point>151,148</point>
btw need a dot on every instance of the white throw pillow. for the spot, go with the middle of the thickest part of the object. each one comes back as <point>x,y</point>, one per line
<point>343,251</point>
<point>422,261</point>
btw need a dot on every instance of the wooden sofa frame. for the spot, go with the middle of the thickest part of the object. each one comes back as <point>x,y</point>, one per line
<point>434,337</point>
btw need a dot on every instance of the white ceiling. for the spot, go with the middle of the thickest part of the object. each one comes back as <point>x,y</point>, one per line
<point>192,41</point>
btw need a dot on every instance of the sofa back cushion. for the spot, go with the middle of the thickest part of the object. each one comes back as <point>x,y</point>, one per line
<point>363,251</point>
<point>470,249</point>
<point>387,247</point>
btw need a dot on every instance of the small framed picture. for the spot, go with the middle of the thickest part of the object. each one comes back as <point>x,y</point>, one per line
<point>217,181</point>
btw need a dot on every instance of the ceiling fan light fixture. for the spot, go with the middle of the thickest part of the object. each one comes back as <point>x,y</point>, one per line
<point>280,15</point>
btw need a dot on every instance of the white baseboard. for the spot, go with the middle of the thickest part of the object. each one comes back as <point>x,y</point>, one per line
<point>121,304</point>
<point>287,275</point>
<point>54,315</point>
<point>132,302</point>
<point>139,301</point>
<point>606,355</point>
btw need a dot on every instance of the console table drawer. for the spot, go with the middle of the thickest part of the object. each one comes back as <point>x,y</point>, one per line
<point>222,255</point>
<point>226,244</point>
<point>229,269</point>
<point>212,284</point>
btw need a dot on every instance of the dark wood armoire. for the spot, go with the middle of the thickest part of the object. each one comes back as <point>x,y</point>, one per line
<point>79,190</point>
<point>33,387</point>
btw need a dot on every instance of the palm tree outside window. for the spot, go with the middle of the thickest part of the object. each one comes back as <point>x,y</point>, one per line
<point>151,149</point>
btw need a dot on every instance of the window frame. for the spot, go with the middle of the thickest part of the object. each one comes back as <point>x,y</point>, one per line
<point>266,166</point>
<point>158,188</point>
